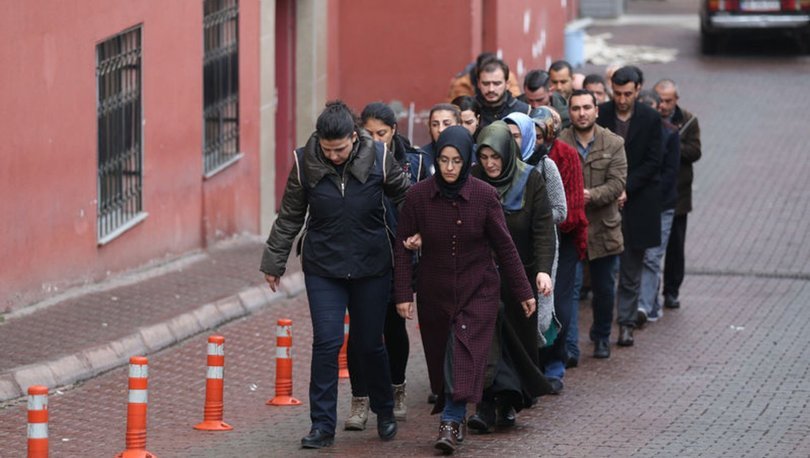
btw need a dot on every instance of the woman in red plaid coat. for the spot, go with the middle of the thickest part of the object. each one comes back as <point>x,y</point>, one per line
<point>461,225</point>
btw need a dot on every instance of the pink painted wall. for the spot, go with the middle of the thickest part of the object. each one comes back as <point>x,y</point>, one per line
<point>48,159</point>
<point>409,50</point>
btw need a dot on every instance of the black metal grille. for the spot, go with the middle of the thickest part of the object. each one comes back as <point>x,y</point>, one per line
<point>120,178</point>
<point>220,82</point>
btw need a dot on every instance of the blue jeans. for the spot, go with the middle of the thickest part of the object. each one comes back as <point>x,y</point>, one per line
<point>564,302</point>
<point>367,299</point>
<point>603,286</point>
<point>649,299</point>
<point>454,410</point>
<point>572,338</point>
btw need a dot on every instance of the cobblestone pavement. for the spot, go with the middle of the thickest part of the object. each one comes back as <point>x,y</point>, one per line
<point>725,375</point>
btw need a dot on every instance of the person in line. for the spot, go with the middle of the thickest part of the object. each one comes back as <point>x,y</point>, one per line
<point>461,224</point>
<point>465,82</point>
<point>336,190</point>
<point>470,113</point>
<point>572,231</point>
<point>379,120</point>
<point>441,116</point>
<point>649,306</point>
<point>514,378</point>
<point>604,172</point>
<point>596,83</point>
<point>640,127</point>
<point>496,102</point>
<point>689,131</point>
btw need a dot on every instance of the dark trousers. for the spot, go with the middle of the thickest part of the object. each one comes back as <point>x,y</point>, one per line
<point>397,346</point>
<point>631,265</point>
<point>366,299</point>
<point>563,299</point>
<point>603,284</point>
<point>674,262</point>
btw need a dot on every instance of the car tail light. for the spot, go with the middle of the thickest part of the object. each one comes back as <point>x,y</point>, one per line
<point>724,5</point>
<point>795,5</point>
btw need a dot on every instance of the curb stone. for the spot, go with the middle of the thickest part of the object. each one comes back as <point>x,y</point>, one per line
<point>150,339</point>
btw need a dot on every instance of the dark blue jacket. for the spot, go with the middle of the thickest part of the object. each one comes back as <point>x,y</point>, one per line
<point>670,165</point>
<point>346,235</point>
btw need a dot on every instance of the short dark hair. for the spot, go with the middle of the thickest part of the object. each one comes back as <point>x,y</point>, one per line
<point>577,92</point>
<point>381,112</point>
<point>646,96</point>
<point>466,102</point>
<point>536,79</point>
<point>559,65</point>
<point>337,121</point>
<point>640,74</point>
<point>624,75</point>
<point>594,78</point>
<point>446,107</point>
<point>491,65</point>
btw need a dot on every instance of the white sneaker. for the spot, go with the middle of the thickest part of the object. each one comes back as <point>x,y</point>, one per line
<point>358,416</point>
<point>400,408</point>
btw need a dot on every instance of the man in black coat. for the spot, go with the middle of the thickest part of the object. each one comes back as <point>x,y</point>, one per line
<point>492,94</point>
<point>640,126</point>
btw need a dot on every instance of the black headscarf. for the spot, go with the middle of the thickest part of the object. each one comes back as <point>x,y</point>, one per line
<point>459,138</point>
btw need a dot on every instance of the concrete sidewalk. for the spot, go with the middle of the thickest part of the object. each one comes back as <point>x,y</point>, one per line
<point>94,329</point>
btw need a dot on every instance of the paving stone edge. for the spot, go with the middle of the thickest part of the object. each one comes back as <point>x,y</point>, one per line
<point>149,339</point>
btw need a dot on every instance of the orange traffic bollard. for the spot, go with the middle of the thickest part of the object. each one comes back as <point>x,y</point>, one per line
<point>343,362</point>
<point>214,381</point>
<point>136,410</point>
<point>37,421</point>
<point>284,381</point>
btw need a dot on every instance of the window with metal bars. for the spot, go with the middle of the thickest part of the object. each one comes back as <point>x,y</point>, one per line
<point>120,146</point>
<point>220,84</point>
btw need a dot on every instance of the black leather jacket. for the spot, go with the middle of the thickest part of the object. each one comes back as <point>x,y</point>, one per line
<point>346,235</point>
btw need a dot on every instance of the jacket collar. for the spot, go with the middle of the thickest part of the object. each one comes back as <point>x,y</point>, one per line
<point>359,164</point>
<point>464,192</point>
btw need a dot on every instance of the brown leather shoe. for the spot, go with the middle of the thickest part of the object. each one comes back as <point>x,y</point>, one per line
<point>448,434</point>
<point>625,336</point>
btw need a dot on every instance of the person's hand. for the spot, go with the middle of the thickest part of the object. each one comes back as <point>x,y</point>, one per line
<point>413,242</point>
<point>529,306</point>
<point>544,284</point>
<point>587,196</point>
<point>272,280</point>
<point>622,199</point>
<point>405,310</point>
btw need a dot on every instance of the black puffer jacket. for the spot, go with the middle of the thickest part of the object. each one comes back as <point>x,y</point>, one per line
<point>346,234</point>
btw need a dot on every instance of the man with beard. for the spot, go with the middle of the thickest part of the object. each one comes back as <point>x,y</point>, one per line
<point>496,102</point>
<point>640,127</point>
<point>604,170</point>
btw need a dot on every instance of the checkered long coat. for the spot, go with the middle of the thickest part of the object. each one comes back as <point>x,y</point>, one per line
<point>457,284</point>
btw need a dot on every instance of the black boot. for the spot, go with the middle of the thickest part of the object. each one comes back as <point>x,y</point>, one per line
<point>483,421</point>
<point>317,439</point>
<point>386,426</point>
<point>506,414</point>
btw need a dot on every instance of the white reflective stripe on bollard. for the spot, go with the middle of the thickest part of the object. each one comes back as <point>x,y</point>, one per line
<point>138,371</point>
<point>37,430</point>
<point>38,402</point>
<point>215,372</point>
<point>284,352</point>
<point>283,331</point>
<point>216,349</point>
<point>137,396</point>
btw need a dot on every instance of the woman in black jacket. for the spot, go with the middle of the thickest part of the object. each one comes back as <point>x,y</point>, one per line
<point>339,178</point>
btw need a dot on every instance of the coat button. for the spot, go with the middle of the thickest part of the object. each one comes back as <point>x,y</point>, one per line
<point>458,223</point>
<point>463,326</point>
<point>454,204</point>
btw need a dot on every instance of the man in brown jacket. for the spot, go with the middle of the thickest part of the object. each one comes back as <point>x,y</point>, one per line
<point>689,130</point>
<point>604,168</point>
